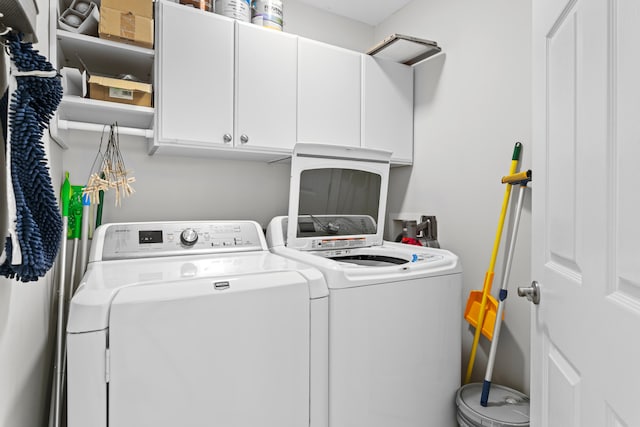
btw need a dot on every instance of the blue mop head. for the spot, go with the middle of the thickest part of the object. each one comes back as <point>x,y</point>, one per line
<point>39,224</point>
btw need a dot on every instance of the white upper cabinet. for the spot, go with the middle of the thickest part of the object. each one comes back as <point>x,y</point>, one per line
<point>329,94</point>
<point>195,77</point>
<point>223,84</point>
<point>234,89</point>
<point>266,90</point>
<point>387,108</point>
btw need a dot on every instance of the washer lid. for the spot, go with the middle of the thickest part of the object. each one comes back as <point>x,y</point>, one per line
<point>506,407</point>
<point>339,191</point>
<point>160,277</point>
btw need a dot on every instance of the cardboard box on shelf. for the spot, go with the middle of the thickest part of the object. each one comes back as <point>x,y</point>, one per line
<point>105,88</point>
<point>127,21</point>
<point>142,8</point>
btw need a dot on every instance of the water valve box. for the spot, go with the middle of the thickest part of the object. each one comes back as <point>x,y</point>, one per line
<point>105,88</point>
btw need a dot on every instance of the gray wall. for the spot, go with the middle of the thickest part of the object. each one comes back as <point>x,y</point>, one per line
<point>472,104</point>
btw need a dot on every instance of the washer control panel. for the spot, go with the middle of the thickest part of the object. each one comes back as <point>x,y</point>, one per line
<point>155,239</point>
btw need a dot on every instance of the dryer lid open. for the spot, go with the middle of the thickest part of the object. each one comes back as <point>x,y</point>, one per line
<point>340,192</point>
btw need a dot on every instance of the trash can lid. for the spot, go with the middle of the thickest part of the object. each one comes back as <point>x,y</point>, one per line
<point>506,407</point>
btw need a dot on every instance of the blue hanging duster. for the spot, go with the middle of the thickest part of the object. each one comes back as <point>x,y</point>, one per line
<point>35,225</point>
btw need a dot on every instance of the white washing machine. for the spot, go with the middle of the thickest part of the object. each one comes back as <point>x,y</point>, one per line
<point>394,310</point>
<point>196,324</point>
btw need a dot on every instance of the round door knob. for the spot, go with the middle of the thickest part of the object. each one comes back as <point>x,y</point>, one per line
<point>532,293</point>
<point>244,139</point>
<point>227,138</point>
<point>189,237</point>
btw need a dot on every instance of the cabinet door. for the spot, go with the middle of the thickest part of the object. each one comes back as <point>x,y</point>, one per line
<point>329,86</point>
<point>265,88</point>
<point>195,76</point>
<point>387,114</point>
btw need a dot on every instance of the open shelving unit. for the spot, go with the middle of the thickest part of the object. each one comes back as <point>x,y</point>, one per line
<point>73,50</point>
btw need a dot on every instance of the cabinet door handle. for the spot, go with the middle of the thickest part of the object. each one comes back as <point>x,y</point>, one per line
<point>244,139</point>
<point>227,138</point>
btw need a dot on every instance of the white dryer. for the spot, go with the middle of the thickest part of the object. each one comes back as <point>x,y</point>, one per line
<point>196,324</point>
<point>394,310</point>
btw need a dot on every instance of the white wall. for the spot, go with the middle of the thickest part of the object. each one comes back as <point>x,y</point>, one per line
<point>472,104</point>
<point>25,326</point>
<point>185,188</point>
<point>316,24</point>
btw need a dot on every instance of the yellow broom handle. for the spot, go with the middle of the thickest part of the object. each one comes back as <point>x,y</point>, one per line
<point>486,288</point>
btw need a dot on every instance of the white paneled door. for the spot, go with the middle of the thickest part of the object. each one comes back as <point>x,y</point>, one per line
<point>586,210</point>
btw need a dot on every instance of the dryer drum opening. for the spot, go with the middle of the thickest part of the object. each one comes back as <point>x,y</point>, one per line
<point>370,260</point>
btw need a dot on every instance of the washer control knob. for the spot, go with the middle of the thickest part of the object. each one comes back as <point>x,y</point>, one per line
<point>189,237</point>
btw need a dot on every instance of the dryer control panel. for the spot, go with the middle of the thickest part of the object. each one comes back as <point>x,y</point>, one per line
<point>156,239</point>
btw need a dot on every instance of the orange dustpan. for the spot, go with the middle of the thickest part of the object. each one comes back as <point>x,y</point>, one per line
<point>481,305</point>
<point>474,305</point>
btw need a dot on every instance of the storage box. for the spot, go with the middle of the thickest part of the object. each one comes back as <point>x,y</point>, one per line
<point>127,21</point>
<point>105,88</point>
<point>143,8</point>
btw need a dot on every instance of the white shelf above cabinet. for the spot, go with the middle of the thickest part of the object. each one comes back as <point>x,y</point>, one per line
<point>104,56</point>
<point>90,115</point>
<point>75,108</point>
